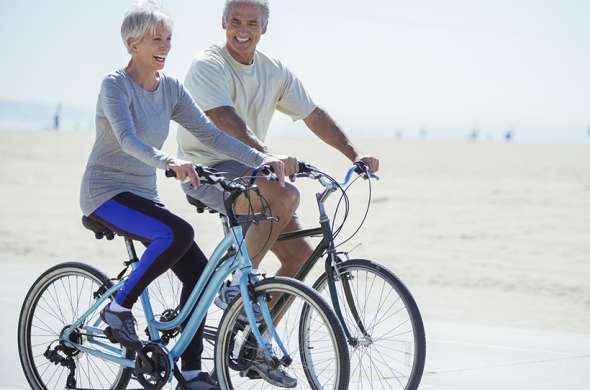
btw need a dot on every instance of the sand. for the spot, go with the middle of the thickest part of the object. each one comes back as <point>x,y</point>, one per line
<point>487,234</point>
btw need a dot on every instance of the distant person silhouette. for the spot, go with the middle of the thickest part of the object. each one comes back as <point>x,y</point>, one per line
<point>56,117</point>
<point>423,134</point>
<point>508,136</point>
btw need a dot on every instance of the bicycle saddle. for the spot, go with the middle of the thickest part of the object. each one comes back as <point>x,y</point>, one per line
<point>98,228</point>
<point>201,207</point>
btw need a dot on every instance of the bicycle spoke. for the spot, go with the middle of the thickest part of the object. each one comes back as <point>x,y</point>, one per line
<point>391,343</point>
<point>57,303</point>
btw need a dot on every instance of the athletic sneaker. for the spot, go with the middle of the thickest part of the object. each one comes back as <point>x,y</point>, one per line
<point>228,293</point>
<point>203,381</point>
<point>122,327</point>
<point>260,369</point>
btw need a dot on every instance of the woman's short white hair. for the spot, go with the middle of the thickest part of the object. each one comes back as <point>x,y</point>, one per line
<point>144,18</point>
<point>263,4</point>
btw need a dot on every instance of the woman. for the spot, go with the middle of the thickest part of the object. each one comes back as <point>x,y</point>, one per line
<point>133,114</point>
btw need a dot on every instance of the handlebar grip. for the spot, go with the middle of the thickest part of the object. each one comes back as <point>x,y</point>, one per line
<point>266,170</point>
<point>198,168</point>
<point>360,167</point>
<point>303,167</point>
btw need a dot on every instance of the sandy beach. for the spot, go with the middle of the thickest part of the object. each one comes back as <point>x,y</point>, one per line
<point>482,233</point>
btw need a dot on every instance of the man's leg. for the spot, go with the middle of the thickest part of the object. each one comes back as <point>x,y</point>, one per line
<point>283,202</point>
<point>292,253</point>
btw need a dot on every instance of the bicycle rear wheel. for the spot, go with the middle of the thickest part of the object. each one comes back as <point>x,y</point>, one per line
<point>55,301</point>
<point>385,322</point>
<point>320,360</point>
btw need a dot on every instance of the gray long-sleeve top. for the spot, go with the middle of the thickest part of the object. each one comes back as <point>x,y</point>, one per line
<point>131,127</point>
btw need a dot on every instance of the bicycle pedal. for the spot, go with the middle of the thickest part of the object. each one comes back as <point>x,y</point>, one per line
<point>109,333</point>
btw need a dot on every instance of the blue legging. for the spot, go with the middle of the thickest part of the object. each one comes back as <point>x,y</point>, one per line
<point>169,244</point>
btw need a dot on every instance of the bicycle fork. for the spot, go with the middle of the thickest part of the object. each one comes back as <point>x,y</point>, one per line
<point>250,298</point>
<point>334,274</point>
<point>268,324</point>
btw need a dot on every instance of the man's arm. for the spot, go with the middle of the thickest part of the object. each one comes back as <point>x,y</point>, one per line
<point>227,119</point>
<point>328,131</point>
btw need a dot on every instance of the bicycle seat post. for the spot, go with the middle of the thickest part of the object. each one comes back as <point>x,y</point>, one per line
<point>224,223</point>
<point>131,250</point>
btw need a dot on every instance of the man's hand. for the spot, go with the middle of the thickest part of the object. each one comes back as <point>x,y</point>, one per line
<point>371,162</point>
<point>291,165</point>
<point>277,166</point>
<point>184,170</point>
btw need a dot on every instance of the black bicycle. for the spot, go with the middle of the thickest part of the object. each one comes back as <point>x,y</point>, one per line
<point>379,316</point>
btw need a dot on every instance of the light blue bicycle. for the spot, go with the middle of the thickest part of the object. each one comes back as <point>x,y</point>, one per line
<point>64,344</point>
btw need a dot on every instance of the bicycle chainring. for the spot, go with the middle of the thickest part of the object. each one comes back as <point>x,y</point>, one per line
<point>152,367</point>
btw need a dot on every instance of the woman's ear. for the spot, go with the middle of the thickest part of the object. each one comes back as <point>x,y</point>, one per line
<point>132,44</point>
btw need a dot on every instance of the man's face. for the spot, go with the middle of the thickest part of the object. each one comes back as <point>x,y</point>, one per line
<point>243,30</point>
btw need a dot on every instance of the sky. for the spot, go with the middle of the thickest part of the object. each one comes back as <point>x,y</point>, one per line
<point>377,65</point>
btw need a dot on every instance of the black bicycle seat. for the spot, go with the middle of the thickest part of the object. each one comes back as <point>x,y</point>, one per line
<point>98,228</point>
<point>201,207</point>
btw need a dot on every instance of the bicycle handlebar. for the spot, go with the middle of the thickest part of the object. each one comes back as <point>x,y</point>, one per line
<point>307,170</point>
<point>210,176</point>
<point>206,175</point>
<point>234,187</point>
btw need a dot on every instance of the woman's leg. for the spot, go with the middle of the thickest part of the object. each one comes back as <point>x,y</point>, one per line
<point>188,269</point>
<point>168,238</point>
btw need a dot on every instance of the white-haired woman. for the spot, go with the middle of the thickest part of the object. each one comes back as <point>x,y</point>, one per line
<point>133,114</point>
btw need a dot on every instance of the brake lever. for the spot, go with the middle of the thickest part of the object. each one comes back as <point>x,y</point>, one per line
<point>363,170</point>
<point>263,171</point>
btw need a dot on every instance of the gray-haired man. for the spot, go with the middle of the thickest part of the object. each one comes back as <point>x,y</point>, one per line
<point>240,88</point>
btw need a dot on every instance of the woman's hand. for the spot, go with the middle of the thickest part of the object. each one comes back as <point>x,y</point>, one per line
<point>184,170</point>
<point>277,166</point>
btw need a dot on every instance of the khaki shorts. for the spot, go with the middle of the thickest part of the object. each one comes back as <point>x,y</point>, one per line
<point>213,195</point>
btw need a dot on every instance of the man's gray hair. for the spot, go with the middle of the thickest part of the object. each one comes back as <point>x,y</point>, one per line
<point>263,4</point>
<point>144,18</point>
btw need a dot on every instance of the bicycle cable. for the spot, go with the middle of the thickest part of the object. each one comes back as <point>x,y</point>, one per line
<point>366,211</point>
<point>344,196</point>
<point>251,213</point>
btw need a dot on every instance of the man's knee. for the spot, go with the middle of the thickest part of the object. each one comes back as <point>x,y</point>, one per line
<point>286,197</point>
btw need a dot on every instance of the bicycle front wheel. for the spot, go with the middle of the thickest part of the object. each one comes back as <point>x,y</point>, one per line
<point>320,360</point>
<point>55,301</point>
<point>388,346</point>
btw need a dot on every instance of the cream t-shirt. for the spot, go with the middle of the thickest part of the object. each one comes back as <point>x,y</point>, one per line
<point>255,91</point>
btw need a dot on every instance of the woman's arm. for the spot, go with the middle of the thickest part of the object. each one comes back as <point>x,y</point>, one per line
<point>115,104</point>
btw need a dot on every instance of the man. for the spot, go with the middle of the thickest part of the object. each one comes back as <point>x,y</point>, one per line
<point>239,88</point>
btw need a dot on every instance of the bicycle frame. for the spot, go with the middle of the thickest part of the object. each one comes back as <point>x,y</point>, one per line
<point>219,267</point>
<point>326,245</point>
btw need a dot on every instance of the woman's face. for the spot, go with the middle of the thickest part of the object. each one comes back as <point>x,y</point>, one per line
<point>151,51</point>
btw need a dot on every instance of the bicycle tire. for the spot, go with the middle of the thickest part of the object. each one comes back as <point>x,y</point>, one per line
<point>339,364</point>
<point>361,376</point>
<point>28,312</point>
